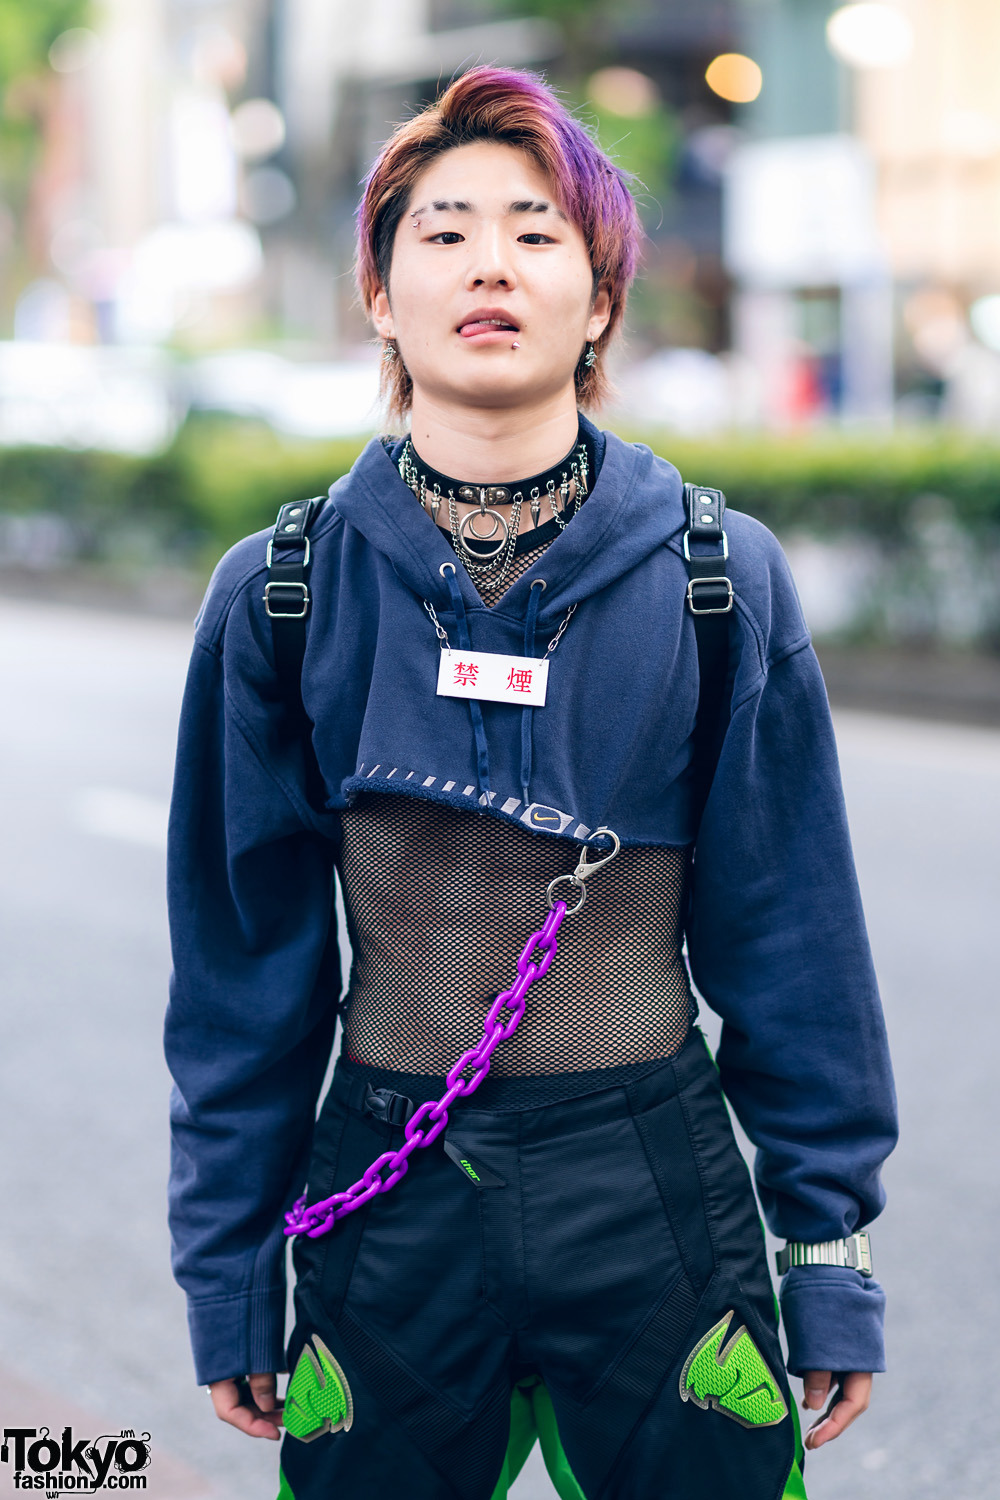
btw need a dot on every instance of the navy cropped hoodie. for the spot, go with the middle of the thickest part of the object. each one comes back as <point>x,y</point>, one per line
<point>775,932</point>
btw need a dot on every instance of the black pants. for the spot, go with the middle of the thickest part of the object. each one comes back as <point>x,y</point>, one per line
<point>606,1237</point>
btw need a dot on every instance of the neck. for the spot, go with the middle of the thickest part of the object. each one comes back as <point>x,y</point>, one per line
<point>483,446</point>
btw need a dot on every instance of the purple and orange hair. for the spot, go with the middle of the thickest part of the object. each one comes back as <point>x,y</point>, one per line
<point>515,109</point>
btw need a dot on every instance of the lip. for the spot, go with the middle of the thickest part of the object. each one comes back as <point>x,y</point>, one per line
<point>484,315</point>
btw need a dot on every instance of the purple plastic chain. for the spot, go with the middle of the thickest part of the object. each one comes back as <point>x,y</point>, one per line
<point>319,1218</point>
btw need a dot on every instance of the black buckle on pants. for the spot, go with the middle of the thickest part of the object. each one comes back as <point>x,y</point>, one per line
<point>383,1104</point>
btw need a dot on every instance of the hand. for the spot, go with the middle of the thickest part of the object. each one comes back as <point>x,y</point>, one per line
<point>252,1404</point>
<point>850,1399</point>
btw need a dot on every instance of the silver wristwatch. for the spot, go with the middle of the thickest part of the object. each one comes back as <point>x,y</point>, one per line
<point>855,1252</point>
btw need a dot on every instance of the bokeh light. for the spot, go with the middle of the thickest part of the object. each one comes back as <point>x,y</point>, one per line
<point>258,129</point>
<point>73,50</point>
<point>734,77</point>
<point>267,195</point>
<point>870,35</point>
<point>984,315</point>
<point>623,91</point>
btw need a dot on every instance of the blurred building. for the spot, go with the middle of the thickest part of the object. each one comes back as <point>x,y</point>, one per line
<point>823,220</point>
<point>932,126</point>
<point>881,124</point>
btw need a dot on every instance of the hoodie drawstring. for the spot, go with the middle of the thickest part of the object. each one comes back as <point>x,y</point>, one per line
<point>530,650</point>
<point>475,712</point>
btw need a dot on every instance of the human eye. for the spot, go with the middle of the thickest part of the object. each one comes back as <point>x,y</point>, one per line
<point>446,237</point>
<point>535,237</point>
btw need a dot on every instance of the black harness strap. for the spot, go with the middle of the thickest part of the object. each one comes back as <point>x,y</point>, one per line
<point>287,602</point>
<point>710,600</point>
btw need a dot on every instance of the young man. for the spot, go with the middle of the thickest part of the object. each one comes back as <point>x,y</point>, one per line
<point>573,1246</point>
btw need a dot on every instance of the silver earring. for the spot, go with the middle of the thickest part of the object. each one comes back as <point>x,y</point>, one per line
<point>590,356</point>
<point>389,353</point>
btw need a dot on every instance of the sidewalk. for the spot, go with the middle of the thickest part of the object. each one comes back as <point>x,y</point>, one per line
<point>23,1405</point>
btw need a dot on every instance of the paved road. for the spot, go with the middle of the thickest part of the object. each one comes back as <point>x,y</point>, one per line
<point>91,1327</point>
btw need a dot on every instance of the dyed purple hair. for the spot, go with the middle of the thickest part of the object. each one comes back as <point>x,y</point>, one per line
<point>514,109</point>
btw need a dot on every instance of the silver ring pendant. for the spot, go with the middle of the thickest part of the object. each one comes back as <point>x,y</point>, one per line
<point>481,515</point>
<point>499,524</point>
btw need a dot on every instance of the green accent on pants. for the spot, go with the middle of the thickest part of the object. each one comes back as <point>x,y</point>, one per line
<point>531,1417</point>
<point>285,1492</point>
<point>795,1485</point>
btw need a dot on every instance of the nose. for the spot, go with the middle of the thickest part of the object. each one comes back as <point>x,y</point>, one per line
<point>491,263</point>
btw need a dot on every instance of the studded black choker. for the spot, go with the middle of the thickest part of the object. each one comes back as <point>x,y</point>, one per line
<point>486,525</point>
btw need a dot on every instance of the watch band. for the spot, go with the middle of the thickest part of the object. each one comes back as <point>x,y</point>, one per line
<point>854,1252</point>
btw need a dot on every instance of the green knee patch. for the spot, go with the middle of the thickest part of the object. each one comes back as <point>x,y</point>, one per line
<point>318,1398</point>
<point>734,1379</point>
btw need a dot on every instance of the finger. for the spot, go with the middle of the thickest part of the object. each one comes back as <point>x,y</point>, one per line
<point>816,1389</point>
<point>264,1389</point>
<point>234,1404</point>
<point>852,1399</point>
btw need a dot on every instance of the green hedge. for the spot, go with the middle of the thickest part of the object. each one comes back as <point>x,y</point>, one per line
<point>829,484</point>
<point>220,480</point>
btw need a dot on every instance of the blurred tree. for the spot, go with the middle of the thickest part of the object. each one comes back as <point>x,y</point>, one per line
<point>28,29</point>
<point>634,125</point>
<point>644,145</point>
<point>586,29</point>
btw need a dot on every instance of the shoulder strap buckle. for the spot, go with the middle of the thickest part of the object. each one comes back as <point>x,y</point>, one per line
<point>288,591</point>
<point>718,596</point>
<point>709,591</point>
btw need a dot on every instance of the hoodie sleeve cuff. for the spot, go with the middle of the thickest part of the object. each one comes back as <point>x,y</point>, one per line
<point>234,1336</point>
<point>833,1319</point>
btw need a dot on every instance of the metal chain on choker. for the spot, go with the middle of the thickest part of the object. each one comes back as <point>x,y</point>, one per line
<point>493,567</point>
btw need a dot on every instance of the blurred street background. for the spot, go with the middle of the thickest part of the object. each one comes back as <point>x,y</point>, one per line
<point>816,329</point>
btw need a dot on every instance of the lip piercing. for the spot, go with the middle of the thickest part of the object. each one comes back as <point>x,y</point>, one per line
<point>515,345</point>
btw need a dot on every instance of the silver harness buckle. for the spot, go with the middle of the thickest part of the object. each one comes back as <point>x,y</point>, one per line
<point>301,590</point>
<point>719,609</point>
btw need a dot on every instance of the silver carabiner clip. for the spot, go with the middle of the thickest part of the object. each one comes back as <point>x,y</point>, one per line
<point>585,868</point>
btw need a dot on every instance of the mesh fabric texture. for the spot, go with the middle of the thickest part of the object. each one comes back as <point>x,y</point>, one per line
<point>440,902</point>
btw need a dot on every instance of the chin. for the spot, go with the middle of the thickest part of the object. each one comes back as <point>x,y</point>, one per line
<point>499,389</point>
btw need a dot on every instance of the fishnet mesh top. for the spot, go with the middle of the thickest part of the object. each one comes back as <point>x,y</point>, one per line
<point>440,902</point>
